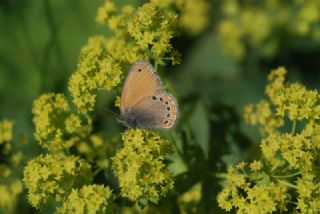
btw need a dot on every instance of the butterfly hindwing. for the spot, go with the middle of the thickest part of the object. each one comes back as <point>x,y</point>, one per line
<point>156,111</point>
<point>142,81</point>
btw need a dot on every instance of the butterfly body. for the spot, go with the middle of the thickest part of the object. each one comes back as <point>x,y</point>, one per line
<point>143,103</point>
<point>137,119</point>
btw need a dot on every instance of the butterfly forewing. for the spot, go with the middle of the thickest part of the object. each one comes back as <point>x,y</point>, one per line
<point>158,110</point>
<point>142,81</point>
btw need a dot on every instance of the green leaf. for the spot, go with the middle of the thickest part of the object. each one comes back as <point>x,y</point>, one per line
<point>200,127</point>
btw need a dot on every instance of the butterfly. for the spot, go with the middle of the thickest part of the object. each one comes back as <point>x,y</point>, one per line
<point>143,103</point>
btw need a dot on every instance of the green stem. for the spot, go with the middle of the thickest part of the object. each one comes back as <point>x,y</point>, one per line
<point>287,184</point>
<point>172,138</point>
<point>294,125</point>
<point>97,172</point>
<point>287,176</point>
<point>275,166</point>
<point>167,58</point>
<point>221,175</point>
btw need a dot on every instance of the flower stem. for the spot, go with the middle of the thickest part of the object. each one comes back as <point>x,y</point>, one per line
<point>294,125</point>
<point>287,183</point>
<point>275,166</point>
<point>221,175</point>
<point>97,172</point>
<point>287,176</point>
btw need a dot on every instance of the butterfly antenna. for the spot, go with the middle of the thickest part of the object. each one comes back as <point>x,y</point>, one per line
<point>112,112</point>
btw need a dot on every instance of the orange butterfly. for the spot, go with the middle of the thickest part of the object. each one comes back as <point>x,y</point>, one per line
<point>143,103</point>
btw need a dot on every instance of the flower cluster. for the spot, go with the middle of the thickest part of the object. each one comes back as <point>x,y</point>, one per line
<point>238,25</point>
<point>140,168</point>
<point>260,194</point>
<point>52,177</point>
<point>96,70</point>
<point>6,136</point>
<point>64,174</point>
<point>194,15</point>
<point>153,28</point>
<point>294,100</point>
<point>54,121</point>
<point>262,114</point>
<point>189,201</point>
<point>98,150</point>
<point>95,199</point>
<point>285,179</point>
<point>6,131</point>
<point>140,33</point>
<point>10,186</point>
<point>9,193</point>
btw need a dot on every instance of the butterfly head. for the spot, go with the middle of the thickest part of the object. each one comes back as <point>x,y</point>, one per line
<point>126,120</point>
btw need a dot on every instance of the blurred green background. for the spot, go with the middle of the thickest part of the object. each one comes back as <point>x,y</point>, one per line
<point>41,40</point>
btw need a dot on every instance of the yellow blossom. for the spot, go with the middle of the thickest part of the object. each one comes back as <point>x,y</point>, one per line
<point>53,121</point>
<point>256,165</point>
<point>9,193</point>
<point>105,11</point>
<point>139,166</point>
<point>194,16</point>
<point>6,131</point>
<point>153,28</point>
<point>96,70</point>
<point>188,202</point>
<point>52,177</point>
<point>230,38</point>
<point>90,199</point>
<point>288,168</point>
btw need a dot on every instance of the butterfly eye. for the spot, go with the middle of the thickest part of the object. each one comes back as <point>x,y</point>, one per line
<point>168,108</point>
<point>166,102</point>
<point>139,70</point>
<point>168,115</point>
<point>154,97</point>
<point>161,99</point>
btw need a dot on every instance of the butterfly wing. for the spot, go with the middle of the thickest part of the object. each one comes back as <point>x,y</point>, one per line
<point>157,111</point>
<point>142,81</point>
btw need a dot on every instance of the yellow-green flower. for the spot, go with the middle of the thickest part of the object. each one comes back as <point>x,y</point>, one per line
<point>105,11</point>
<point>195,15</point>
<point>6,131</point>
<point>189,201</point>
<point>9,193</point>
<point>252,194</point>
<point>90,199</point>
<point>98,150</point>
<point>256,165</point>
<point>52,177</point>
<point>292,100</point>
<point>140,168</point>
<point>288,168</point>
<point>96,70</point>
<point>54,122</point>
<point>245,24</point>
<point>153,28</point>
<point>262,114</point>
